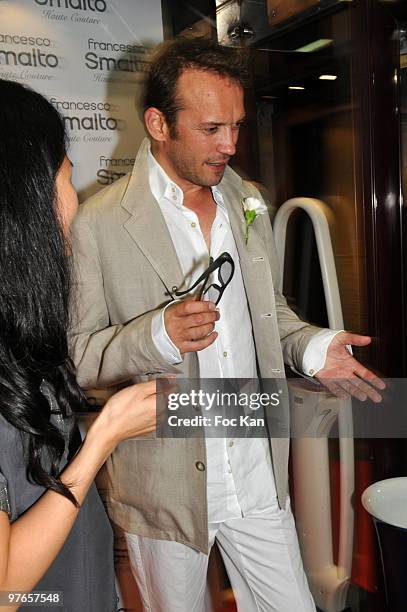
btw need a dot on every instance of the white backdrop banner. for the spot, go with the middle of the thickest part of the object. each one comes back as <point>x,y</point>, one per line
<point>89,58</point>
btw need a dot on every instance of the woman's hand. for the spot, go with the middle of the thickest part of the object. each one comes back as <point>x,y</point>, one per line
<point>25,554</point>
<point>129,413</point>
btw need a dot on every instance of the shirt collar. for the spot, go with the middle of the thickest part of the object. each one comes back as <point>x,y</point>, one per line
<point>162,187</point>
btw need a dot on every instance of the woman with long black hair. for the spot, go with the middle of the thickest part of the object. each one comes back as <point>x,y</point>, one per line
<point>54,533</point>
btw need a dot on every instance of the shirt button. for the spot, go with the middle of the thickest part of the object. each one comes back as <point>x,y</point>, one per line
<point>311,372</point>
<point>200,466</point>
<point>174,197</point>
<point>173,189</point>
<point>193,224</point>
<point>225,353</point>
<point>231,443</point>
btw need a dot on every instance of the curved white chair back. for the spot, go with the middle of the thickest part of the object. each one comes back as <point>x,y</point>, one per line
<point>329,582</point>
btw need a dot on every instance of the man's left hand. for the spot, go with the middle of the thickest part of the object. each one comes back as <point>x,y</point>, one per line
<point>343,375</point>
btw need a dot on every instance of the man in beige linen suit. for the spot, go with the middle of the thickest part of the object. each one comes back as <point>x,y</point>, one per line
<point>135,243</point>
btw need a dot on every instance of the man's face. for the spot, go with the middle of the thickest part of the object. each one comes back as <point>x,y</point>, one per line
<point>206,131</point>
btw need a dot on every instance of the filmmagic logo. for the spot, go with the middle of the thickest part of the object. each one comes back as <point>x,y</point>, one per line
<point>96,6</point>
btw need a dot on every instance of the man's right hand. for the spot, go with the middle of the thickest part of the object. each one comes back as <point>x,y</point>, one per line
<point>190,324</point>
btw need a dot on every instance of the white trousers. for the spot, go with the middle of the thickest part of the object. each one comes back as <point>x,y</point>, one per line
<point>261,556</point>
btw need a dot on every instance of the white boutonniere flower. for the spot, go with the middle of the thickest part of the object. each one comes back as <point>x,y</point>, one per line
<point>251,208</point>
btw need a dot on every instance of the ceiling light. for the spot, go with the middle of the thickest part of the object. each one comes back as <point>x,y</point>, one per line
<point>316,45</point>
<point>328,77</point>
<point>296,87</point>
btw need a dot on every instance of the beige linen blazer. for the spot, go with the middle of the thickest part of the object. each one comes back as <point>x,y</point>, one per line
<point>126,266</point>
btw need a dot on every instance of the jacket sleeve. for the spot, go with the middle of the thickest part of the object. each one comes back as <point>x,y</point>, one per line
<point>105,354</point>
<point>295,334</point>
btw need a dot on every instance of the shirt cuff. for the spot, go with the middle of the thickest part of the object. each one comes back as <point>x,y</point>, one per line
<point>161,339</point>
<point>315,354</point>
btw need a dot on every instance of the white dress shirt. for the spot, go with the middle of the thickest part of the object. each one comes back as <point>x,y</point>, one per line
<point>239,473</point>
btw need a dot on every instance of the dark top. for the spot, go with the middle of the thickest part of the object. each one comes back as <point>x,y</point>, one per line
<point>83,570</point>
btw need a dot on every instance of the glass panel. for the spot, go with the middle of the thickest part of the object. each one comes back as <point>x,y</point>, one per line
<point>306,148</point>
<point>303,116</point>
<point>403,107</point>
<point>307,136</point>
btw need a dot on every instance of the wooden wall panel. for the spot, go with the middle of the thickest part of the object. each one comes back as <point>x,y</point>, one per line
<point>280,10</point>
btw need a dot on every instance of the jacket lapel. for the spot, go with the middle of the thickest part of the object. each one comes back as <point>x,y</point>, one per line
<point>146,224</point>
<point>233,190</point>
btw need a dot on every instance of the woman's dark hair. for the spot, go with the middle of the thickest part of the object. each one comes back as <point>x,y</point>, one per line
<point>34,280</point>
<point>170,59</point>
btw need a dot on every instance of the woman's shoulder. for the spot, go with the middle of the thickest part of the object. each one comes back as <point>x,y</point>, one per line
<point>12,465</point>
<point>8,434</point>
